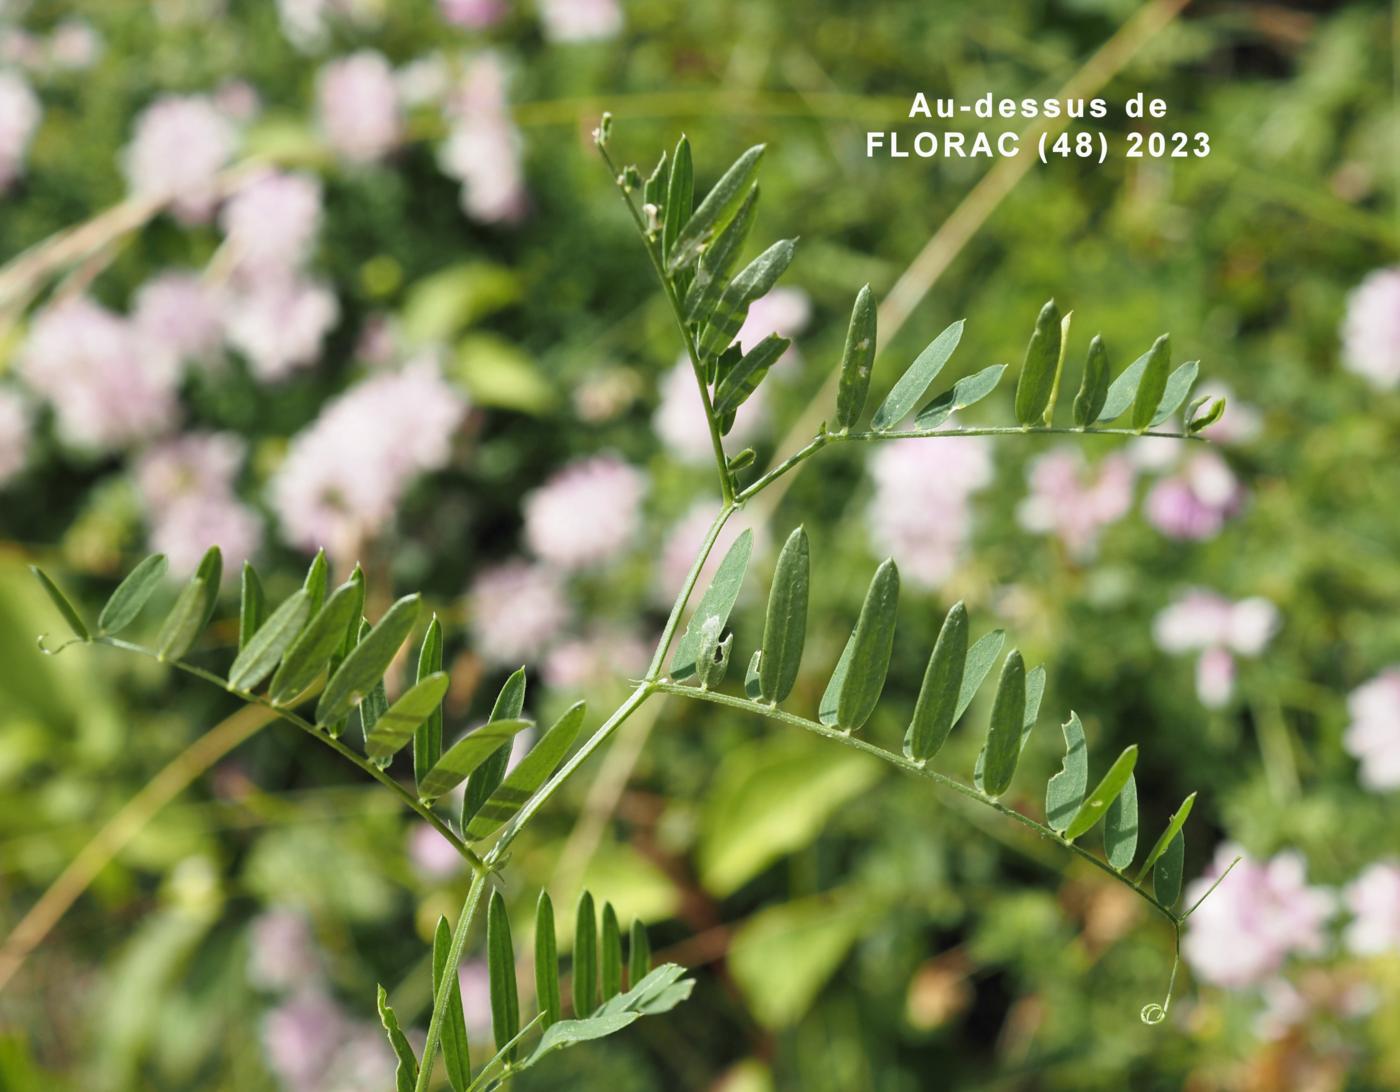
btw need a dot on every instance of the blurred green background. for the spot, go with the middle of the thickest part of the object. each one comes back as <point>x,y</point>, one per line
<point>850,928</point>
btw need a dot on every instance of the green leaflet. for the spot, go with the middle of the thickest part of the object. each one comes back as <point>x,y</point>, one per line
<point>654,192</point>
<point>1178,386</point>
<point>131,595</point>
<point>466,755</point>
<point>1035,691</point>
<point>530,773</point>
<point>638,954</point>
<point>1166,874</point>
<point>680,196</point>
<point>610,955</point>
<point>752,676</point>
<point>354,630</point>
<point>500,966</point>
<point>716,603</point>
<point>374,706</point>
<point>252,606</point>
<point>1065,791</point>
<point>1093,389</point>
<point>1153,384</point>
<point>751,282</point>
<point>318,580</point>
<point>967,391</point>
<point>714,210</point>
<point>744,378</point>
<point>427,738</point>
<point>547,962</point>
<point>1123,389</point>
<point>660,991</point>
<point>785,624</point>
<point>311,651</point>
<point>938,696</point>
<point>367,661</point>
<point>1048,417</point>
<point>272,639</point>
<point>406,1075</point>
<point>1003,748</point>
<point>193,609</point>
<point>917,378</point>
<point>713,661</point>
<point>395,726</point>
<point>1038,373</point>
<point>1213,413</point>
<point>585,957</point>
<point>718,259</point>
<point>1120,826</point>
<point>857,360</point>
<point>1174,825</point>
<point>487,777</point>
<point>456,1051</point>
<point>869,650</point>
<point>59,600</point>
<point>1103,795</point>
<point>980,658</point>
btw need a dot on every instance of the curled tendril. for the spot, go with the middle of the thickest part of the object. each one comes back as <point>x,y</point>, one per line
<point>55,651</point>
<point>1154,1013</point>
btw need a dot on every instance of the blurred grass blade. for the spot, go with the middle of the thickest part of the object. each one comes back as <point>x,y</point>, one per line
<point>610,954</point>
<point>714,210</point>
<point>1153,384</point>
<point>464,756</point>
<point>1093,389</point>
<point>368,661</point>
<point>252,606</point>
<point>193,608</point>
<point>1003,748</point>
<point>456,1049</point>
<point>261,654</point>
<point>65,608</point>
<point>1120,826</point>
<point>1065,791</point>
<point>785,624</point>
<point>680,196</point>
<point>1174,825</point>
<point>715,604</point>
<point>1097,802</point>
<point>1166,873</point>
<point>1179,385</point>
<point>500,965</point>
<point>749,284</point>
<point>311,651</point>
<point>938,696</point>
<point>406,1075</point>
<point>132,594</point>
<point>712,274</point>
<point>870,648</point>
<point>980,658</point>
<point>1038,372</point>
<point>393,728</point>
<point>967,391</point>
<point>487,777</point>
<point>917,378</point>
<point>638,953</point>
<point>585,969</point>
<point>318,580</point>
<point>529,774</point>
<point>547,962</point>
<point>1123,390</point>
<point>857,359</point>
<point>427,738</point>
<point>748,373</point>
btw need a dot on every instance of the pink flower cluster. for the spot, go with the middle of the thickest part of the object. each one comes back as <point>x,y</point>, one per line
<point>1196,502</point>
<point>1373,737</point>
<point>19,118</point>
<point>1075,502</point>
<point>72,45</point>
<point>482,149</point>
<point>358,103</point>
<point>580,20</point>
<point>1202,621</point>
<point>1371,330</point>
<point>179,145</point>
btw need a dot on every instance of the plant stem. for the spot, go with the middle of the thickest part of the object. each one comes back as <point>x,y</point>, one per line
<point>449,979</point>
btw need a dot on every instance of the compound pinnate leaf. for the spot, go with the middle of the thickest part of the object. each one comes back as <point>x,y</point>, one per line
<point>547,996</point>
<point>406,1075</point>
<point>785,624</point>
<point>917,378</point>
<point>1179,385</point>
<point>857,360</point>
<point>1105,792</point>
<point>464,756</point>
<point>638,954</point>
<point>743,379</point>
<point>870,647</point>
<point>1123,390</point>
<point>59,600</point>
<point>396,725</point>
<point>980,658</point>
<point>1065,791</point>
<point>271,641</point>
<point>680,196</point>
<point>938,696</point>
<point>715,605</point>
<point>529,774</point>
<point>585,970</point>
<point>1153,384</point>
<point>713,212</point>
<point>660,991</point>
<point>314,646</point>
<point>456,1050</point>
<point>1003,749</point>
<point>368,660</point>
<point>1173,828</point>
<point>427,738</point>
<point>610,955</point>
<point>1120,826</point>
<point>1093,389</point>
<point>967,391</point>
<point>1166,873</point>
<point>132,594</point>
<point>252,606</point>
<point>1037,379</point>
<point>193,608</point>
<point>500,966</point>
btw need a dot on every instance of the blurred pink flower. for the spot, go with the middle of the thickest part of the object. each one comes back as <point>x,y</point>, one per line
<point>783,311</point>
<point>344,475</point>
<point>301,1038</point>
<point>1373,736</point>
<point>74,45</point>
<point>185,530</point>
<point>19,117</point>
<point>1373,899</point>
<point>20,48</point>
<point>271,223</point>
<point>237,99</point>
<point>482,149</point>
<point>279,322</point>
<point>599,656</point>
<point>517,610</point>
<point>108,385</point>
<point>473,14</point>
<point>179,312</point>
<point>1197,502</point>
<point>179,145</point>
<point>364,1061</point>
<point>586,514</point>
<point>307,24</point>
<point>580,20</point>
<point>14,434</point>
<point>186,489</point>
<point>920,513</point>
<point>358,103</point>
<point>1075,502</point>
<point>195,464</point>
<point>683,543</point>
<point>1203,621</point>
<point>1261,914</point>
<point>431,854</point>
<point>475,979</point>
<point>1371,330</point>
<point>282,955</point>
<point>423,80</point>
